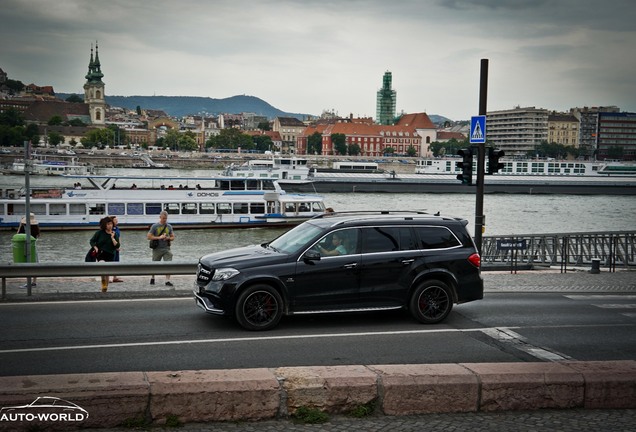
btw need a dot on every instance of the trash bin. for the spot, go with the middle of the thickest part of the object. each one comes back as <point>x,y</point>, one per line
<point>596,266</point>
<point>19,255</point>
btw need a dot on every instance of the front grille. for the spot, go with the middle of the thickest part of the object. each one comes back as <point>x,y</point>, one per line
<point>204,274</point>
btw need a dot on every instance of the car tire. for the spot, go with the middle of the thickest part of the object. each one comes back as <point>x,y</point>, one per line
<point>259,307</point>
<point>431,302</point>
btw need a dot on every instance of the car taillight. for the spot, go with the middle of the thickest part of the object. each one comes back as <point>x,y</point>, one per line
<point>475,260</point>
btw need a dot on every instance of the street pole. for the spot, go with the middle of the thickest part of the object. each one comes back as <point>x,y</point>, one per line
<point>480,219</point>
<point>28,165</point>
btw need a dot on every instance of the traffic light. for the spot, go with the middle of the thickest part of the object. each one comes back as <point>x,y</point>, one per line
<point>467,166</point>
<point>493,160</point>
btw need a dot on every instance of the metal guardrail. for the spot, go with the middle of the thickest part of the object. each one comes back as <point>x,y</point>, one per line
<point>574,249</point>
<point>23,270</point>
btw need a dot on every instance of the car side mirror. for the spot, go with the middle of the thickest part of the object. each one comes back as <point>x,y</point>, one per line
<point>311,255</point>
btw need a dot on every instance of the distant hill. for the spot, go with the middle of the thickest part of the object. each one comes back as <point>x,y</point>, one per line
<point>178,106</point>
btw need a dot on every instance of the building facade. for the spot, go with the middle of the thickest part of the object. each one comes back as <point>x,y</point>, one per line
<point>588,127</point>
<point>616,136</point>
<point>563,129</point>
<point>289,128</point>
<point>517,131</point>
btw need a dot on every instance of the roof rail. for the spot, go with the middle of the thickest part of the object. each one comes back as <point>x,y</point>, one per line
<point>372,212</point>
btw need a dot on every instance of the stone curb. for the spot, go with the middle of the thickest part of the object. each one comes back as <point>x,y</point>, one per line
<point>113,399</point>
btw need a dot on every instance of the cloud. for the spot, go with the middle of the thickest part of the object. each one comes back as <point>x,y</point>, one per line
<point>310,55</point>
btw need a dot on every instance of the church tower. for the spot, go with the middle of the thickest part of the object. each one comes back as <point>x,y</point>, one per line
<point>94,90</point>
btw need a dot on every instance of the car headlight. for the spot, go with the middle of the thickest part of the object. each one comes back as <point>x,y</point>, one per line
<point>224,274</point>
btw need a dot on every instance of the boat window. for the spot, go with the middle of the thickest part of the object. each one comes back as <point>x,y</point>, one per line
<point>97,209</point>
<point>318,207</point>
<point>252,185</point>
<point>2,212</point>
<point>237,185</point>
<point>153,208</point>
<point>116,208</point>
<point>257,208</point>
<point>241,208</point>
<point>57,209</point>
<point>303,207</point>
<point>172,208</point>
<point>189,208</point>
<point>290,207</point>
<point>135,208</point>
<point>206,208</point>
<point>38,209</point>
<point>77,209</point>
<point>224,208</point>
<point>268,185</point>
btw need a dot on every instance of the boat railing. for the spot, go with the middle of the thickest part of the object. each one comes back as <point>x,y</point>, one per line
<point>564,249</point>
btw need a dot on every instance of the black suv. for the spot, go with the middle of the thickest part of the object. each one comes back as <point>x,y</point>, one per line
<point>345,262</point>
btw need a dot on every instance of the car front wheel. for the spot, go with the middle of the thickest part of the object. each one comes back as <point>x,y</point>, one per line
<point>431,302</point>
<point>259,307</point>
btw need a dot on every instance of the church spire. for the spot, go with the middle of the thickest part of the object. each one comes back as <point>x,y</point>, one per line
<point>94,67</point>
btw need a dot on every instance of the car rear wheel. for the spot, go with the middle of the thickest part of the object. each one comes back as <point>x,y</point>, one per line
<point>259,307</point>
<point>431,302</point>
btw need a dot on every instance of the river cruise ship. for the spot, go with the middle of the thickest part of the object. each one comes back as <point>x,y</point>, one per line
<point>525,167</point>
<point>137,201</point>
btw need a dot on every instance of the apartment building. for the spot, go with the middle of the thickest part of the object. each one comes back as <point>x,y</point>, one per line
<point>588,127</point>
<point>616,137</point>
<point>518,130</point>
<point>563,129</point>
<point>289,128</point>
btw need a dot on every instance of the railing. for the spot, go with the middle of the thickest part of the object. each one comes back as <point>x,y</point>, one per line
<point>23,270</point>
<point>574,249</point>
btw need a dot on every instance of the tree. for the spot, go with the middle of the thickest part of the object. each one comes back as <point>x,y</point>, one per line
<point>411,151</point>
<point>314,143</point>
<point>14,85</point>
<point>264,126</point>
<point>11,117</point>
<point>389,151</point>
<point>231,139</point>
<point>56,120</point>
<point>55,138</point>
<point>98,137</point>
<point>32,133</point>
<point>354,149</point>
<point>74,98</point>
<point>263,142</point>
<point>339,143</point>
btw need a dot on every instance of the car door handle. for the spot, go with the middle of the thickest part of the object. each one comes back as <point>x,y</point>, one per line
<point>408,261</point>
<point>350,266</point>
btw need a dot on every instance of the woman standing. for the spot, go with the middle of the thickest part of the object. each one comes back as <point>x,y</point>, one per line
<point>35,233</point>
<point>105,242</point>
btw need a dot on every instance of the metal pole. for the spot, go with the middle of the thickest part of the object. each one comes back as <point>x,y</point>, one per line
<point>480,219</point>
<point>28,164</point>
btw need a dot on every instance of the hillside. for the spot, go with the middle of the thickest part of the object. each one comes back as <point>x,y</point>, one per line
<point>183,105</point>
<point>179,106</point>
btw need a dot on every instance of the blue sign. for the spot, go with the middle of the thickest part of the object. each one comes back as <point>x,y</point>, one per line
<point>478,130</point>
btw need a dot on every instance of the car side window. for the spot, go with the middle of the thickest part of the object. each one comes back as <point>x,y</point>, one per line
<point>387,239</point>
<point>431,237</point>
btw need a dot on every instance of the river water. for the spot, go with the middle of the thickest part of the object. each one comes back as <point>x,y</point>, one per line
<point>505,215</point>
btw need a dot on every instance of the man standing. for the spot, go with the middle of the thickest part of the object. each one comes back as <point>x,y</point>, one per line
<point>163,234</point>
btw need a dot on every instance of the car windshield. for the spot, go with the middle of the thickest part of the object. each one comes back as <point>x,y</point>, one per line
<point>294,240</point>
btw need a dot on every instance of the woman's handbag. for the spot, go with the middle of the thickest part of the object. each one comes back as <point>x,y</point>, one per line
<point>91,255</point>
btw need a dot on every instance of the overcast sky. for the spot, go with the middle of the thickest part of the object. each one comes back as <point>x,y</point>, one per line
<point>310,55</point>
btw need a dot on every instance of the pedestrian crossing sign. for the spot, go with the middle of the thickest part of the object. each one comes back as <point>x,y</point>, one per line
<point>478,129</point>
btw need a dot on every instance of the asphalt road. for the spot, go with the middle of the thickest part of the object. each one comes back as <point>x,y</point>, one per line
<point>172,334</point>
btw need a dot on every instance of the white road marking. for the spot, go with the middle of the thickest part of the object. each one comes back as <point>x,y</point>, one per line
<point>241,339</point>
<point>507,336</point>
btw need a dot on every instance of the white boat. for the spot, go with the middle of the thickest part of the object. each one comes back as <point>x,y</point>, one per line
<point>281,168</point>
<point>532,167</point>
<point>137,201</point>
<point>51,167</point>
